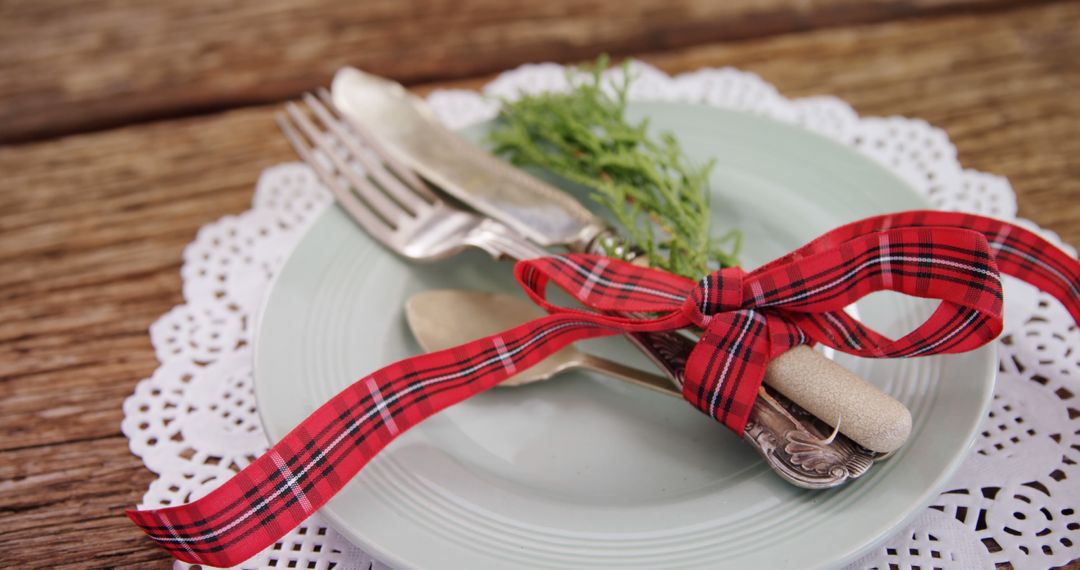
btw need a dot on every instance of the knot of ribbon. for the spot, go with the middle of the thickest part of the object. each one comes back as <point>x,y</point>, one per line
<point>746,319</point>
<point>717,292</point>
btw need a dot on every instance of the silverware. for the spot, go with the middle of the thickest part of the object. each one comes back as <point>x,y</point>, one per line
<point>387,115</point>
<point>387,199</point>
<point>806,451</point>
<point>400,211</point>
<point>384,112</point>
<point>409,131</point>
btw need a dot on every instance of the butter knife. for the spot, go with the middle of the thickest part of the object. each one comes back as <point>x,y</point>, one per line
<point>542,213</point>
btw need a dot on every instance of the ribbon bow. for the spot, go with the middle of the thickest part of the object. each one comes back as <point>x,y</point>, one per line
<point>747,319</point>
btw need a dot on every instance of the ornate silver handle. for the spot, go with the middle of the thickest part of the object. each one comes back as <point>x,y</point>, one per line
<point>801,448</point>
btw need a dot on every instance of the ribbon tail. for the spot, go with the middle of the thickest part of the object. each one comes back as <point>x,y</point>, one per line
<point>726,368</point>
<point>315,460</point>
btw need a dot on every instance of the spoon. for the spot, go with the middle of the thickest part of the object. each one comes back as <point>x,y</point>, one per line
<point>445,318</point>
<point>797,445</point>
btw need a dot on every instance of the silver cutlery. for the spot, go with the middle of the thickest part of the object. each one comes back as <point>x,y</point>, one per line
<point>386,113</point>
<point>398,209</point>
<point>388,200</point>
<point>407,130</point>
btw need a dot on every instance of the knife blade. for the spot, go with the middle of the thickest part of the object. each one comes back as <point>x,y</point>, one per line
<point>409,130</point>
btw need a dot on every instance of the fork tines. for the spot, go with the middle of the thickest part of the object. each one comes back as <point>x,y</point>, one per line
<point>375,188</point>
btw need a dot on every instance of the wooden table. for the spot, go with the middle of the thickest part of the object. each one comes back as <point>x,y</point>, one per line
<point>125,127</point>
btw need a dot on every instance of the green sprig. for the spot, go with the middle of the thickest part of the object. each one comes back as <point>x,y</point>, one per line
<point>659,198</point>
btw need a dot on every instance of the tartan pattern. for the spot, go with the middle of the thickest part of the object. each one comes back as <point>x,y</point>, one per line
<point>747,319</point>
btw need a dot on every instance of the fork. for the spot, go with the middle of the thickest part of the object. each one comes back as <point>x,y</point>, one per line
<point>397,208</point>
<point>400,210</point>
<point>390,202</point>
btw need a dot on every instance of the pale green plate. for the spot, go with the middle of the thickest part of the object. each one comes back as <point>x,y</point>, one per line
<point>583,471</point>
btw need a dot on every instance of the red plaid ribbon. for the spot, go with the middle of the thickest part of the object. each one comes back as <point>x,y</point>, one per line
<point>747,318</point>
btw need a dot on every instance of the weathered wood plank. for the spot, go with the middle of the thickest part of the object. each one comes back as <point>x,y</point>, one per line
<point>63,506</point>
<point>93,225</point>
<point>76,65</point>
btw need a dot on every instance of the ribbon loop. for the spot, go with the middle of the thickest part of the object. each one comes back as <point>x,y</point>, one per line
<point>609,285</point>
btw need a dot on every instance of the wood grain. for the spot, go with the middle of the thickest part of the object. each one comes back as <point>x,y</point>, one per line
<point>64,507</point>
<point>93,230</point>
<point>93,226</point>
<point>76,65</point>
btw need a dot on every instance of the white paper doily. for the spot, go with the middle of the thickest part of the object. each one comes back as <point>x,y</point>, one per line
<point>1016,499</point>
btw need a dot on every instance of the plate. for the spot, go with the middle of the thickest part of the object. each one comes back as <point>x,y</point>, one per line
<point>583,471</point>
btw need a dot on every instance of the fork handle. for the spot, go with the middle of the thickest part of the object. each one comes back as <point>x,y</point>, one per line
<point>668,350</point>
<point>501,242</point>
